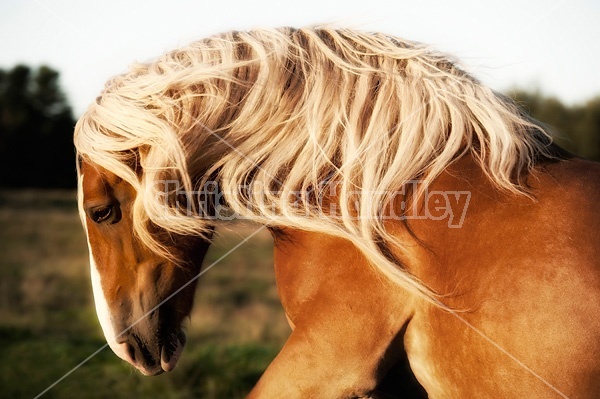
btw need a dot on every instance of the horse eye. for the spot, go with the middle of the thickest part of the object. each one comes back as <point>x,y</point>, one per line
<point>104,214</point>
<point>101,215</point>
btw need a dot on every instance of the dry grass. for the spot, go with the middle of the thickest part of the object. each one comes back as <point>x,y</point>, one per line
<point>48,324</point>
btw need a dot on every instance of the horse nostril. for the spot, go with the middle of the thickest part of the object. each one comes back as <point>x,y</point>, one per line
<point>131,352</point>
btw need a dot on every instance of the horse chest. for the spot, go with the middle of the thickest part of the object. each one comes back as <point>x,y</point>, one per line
<point>329,274</point>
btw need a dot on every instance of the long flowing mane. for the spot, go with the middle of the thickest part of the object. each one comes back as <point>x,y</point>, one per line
<point>274,116</point>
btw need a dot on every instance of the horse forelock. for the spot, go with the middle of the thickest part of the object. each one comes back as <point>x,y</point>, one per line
<point>291,108</point>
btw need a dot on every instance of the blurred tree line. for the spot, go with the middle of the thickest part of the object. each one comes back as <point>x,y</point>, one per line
<point>36,130</point>
<point>575,128</point>
<point>36,127</point>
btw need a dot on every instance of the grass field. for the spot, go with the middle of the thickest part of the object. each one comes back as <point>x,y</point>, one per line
<point>48,324</point>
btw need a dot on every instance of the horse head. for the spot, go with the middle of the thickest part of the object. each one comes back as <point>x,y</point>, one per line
<point>141,297</point>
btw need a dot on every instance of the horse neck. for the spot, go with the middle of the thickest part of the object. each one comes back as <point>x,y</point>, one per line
<point>305,262</point>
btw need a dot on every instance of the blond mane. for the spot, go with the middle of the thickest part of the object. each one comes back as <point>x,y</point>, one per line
<point>272,116</point>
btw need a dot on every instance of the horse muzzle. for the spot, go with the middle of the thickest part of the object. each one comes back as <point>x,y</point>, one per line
<point>151,356</point>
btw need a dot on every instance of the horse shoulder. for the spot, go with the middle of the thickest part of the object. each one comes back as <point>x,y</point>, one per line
<point>348,320</point>
<point>524,275</point>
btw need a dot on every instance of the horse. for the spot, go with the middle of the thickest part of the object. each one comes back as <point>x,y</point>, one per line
<point>419,218</point>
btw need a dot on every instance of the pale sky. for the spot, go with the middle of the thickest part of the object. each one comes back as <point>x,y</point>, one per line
<point>553,45</point>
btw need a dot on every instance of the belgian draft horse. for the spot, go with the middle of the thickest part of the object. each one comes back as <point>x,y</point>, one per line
<point>417,216</point>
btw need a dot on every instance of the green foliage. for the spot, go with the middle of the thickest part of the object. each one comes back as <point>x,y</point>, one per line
<point>575,128</point>
<point>36,130</point>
